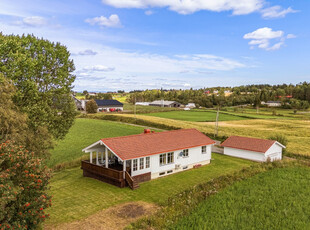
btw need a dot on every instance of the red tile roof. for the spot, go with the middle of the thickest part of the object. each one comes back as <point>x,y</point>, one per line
<point>141,145</point>
<point>248,143</point>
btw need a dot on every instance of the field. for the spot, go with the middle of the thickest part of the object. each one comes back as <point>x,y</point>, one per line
<point>297,131</point>
<point>269,200</point>
<point>76,197</point>
<point>147,109</point>
<point>83,133</point>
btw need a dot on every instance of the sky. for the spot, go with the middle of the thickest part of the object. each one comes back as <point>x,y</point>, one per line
<point>150,44</point>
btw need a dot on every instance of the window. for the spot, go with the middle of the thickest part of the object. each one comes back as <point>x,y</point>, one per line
<point>135,165</point>
<point>162,159</point>
<point>141,163</point>
<point>185,167</point>
<point>170,158</point>
<point>170,171</point>
<point>185,153</point>
<point>203,149</point>
<point>147,162</point>
<point>162,173</point>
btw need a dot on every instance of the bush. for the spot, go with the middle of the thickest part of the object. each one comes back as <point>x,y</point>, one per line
<point>91,106</point>
<point>23,185</point>
<point>280,138</point>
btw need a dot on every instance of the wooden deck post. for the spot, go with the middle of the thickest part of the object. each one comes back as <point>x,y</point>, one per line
<point>101,157</point>
<point>106,158</point>
<point>91,157</point>
<point>97,162</point>
<point>124,168</point>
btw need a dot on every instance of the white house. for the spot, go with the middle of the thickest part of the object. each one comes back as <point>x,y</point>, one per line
<point>252,148</point>
<point>272,103</point>
<point>190,105</point>
<point>143,103</point>
<point>163,103</point>
<point>137,158</point>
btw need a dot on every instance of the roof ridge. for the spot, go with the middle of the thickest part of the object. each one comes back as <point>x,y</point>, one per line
<point>141,134</point>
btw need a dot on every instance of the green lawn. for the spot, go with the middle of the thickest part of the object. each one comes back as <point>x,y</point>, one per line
<point>147,109</point>
<point>76,197</point>
<point>276,199</point>
<point>85,132</point>
<point>196,116</point>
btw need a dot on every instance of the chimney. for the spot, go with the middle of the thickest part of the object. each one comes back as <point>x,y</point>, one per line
<point>147,131</point>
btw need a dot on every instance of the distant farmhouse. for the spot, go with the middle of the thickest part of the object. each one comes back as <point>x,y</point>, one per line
<point>272,103</point>
<point>163,103</point>
<point>190,105</point>
<point>143,103</point>
<point>253,148</point>
<point>103,105</point>
<point>142,157</point>
<point>109,105</point>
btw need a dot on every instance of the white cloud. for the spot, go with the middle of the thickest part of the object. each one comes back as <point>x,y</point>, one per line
<point>149,12</point>
<point>267,39</point>
<point>289,36</point>
<point>35,21</point>
<point>238,7</point>
<point>87,52</point>
<point>112,21</point>
<point>99,68</point>
<point>276,12</point>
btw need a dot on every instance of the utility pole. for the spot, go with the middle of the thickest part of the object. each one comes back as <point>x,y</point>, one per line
<point>217,122</point>
<point>135,109</point>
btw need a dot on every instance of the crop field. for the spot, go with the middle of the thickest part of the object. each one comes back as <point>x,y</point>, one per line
<point>198,116</point>
<point>276,199</point>
<point>85,132</point>
<point>76,197</point>
<point>297,131</point>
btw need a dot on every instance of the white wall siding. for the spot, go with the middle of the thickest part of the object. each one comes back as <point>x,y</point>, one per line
<point>274,152</point>
<point>195,156</point>
<point>246,154</point>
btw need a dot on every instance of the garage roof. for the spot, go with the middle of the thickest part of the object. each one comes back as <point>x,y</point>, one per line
<point>249,143</point>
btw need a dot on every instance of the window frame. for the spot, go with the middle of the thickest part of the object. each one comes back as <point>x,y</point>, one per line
<point>135,165</point>
<point>185,151</point>
<point>147,162</point>
<point>170,158</point>
<point>141,160</point>
<point>203,152</point>
<point>163,159</point>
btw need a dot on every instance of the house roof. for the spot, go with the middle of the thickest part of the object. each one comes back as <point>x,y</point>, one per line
<point>108,102</point>
<point>146,144</point>
<point>163,102</point>
<point>248,143</point>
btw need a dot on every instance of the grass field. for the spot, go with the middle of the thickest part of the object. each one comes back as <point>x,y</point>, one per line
<point>147,109</point>
<point>196,116</point>
<point>276,199</point>
<point>85,132</point>
<point>297,131</point>
<point>76,197</point>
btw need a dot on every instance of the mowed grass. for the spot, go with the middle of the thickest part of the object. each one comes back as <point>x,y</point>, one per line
<point>296,131</point>
<point>76,197</point>
<point>147,109</point>
<point>83,133</point>
<point>196,116</point>
<point>277,199</point>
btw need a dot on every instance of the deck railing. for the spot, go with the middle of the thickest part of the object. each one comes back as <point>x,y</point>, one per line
<point>102,171</point>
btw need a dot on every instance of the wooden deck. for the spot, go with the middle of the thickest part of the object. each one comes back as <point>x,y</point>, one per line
<point>113,175</point>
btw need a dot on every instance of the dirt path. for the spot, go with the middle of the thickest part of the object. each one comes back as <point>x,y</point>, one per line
<point>116,217</point>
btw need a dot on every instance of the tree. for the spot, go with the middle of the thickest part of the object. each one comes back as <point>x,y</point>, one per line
<point>91,106</point>
<point>23,188</point>
<point>14,124</point>
<point>42,73</point>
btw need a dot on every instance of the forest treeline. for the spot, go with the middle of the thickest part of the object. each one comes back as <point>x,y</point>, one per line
<point>292,96</point>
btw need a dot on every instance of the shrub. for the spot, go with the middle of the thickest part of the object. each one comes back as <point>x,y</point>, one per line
<point>23,185</point>
<point>280,138</point>
<point>91,106</point>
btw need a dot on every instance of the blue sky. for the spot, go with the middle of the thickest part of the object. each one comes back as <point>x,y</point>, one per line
<point>145,44</point>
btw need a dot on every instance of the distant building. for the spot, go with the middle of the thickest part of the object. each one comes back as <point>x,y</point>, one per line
<point>92,94</point>
<point>143,103</point>
<point>109,105</point>
<point>163,103</point>
<point>272,103</point>
<point>190,105</point>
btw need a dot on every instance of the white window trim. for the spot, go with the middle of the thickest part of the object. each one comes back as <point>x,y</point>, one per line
<point>167,159</point>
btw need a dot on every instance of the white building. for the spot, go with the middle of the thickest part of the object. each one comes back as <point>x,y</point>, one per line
<point>143,103</point>
<point>163,103</point>
<point>272,103</point>
<point>190,105</point>
<point>137,158</point>
<point>252,148</point>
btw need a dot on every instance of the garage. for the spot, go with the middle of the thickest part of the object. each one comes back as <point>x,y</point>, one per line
<point>253,149</point>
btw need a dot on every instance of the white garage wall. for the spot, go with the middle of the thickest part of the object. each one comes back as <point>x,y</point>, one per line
<point>255,156</point>
<point>274,152</point>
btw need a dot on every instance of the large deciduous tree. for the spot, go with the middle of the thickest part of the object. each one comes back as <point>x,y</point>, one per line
<point>42,74</point>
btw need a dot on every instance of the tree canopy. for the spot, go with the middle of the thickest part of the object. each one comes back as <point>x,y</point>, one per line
<point>42,74</point>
